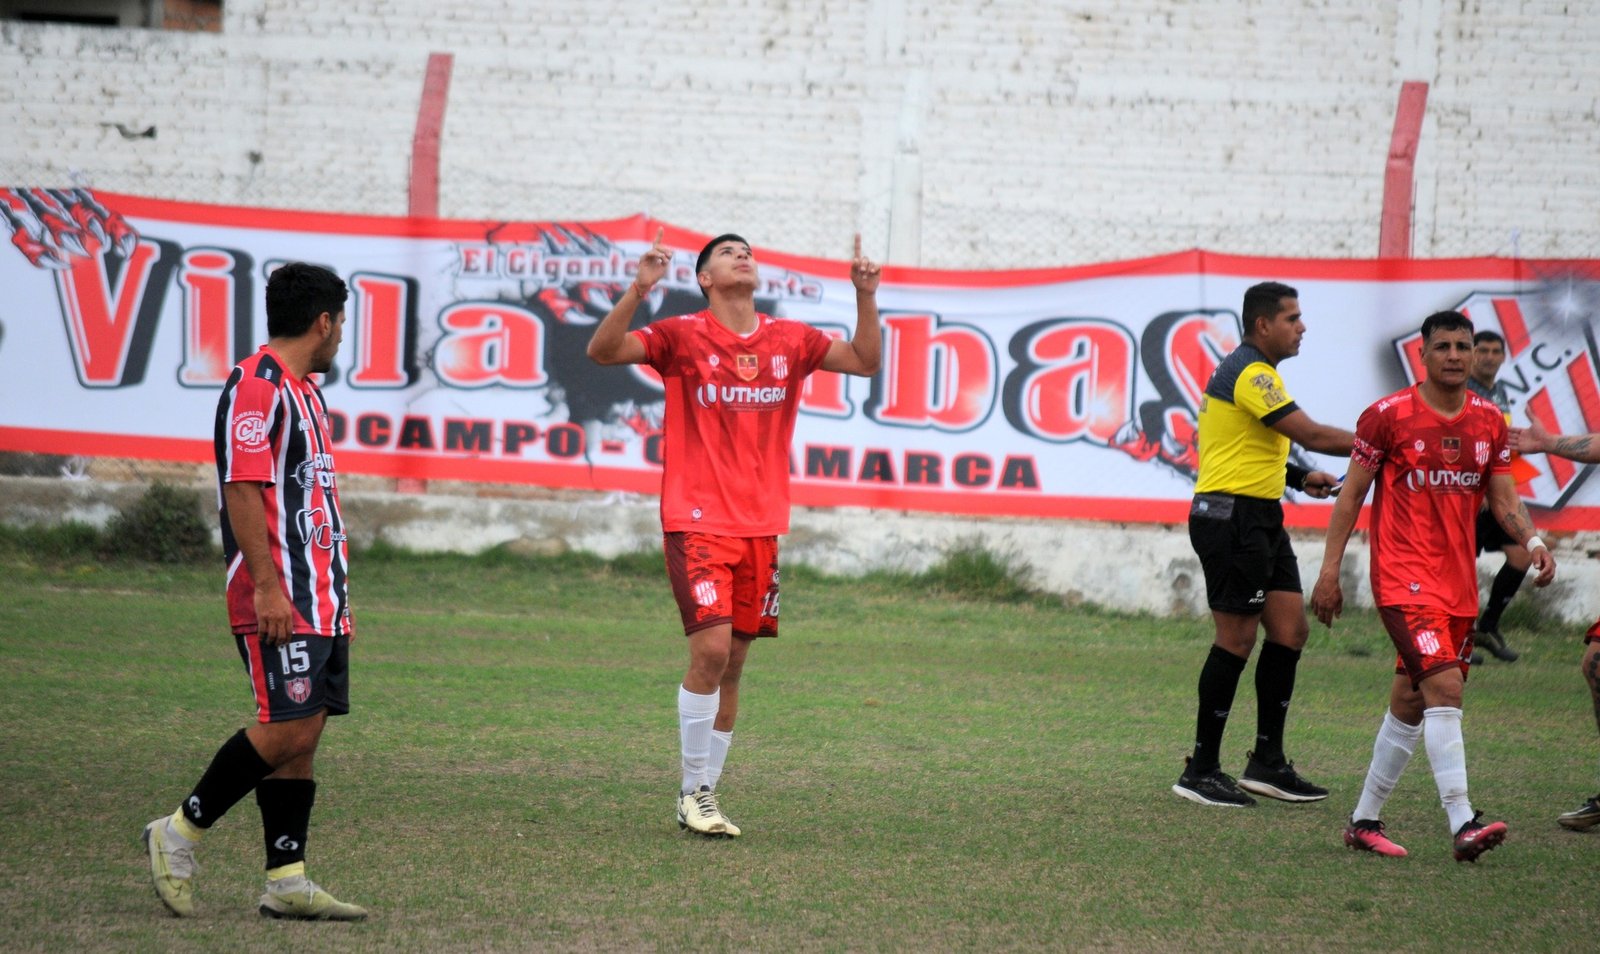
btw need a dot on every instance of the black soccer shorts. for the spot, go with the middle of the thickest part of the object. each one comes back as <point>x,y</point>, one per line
<point>1243,550</point>
<point>1491,536</point>
<point>299,678</point>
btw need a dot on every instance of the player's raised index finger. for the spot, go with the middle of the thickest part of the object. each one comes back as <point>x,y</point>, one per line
<point>661,232</point>
<point>858,245</point>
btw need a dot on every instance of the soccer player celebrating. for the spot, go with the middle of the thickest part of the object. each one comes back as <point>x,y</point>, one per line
<point>1247,421</point>
<point>733,380</point>
<point>1585,449</point>
<point>1433,450</point>
<point>284,543</point>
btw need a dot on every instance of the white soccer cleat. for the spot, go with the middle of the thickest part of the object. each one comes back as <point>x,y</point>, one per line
<point>728,827</point>
<point>698,812</point>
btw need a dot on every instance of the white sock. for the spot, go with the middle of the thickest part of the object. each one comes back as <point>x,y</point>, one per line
<point>695,715</point>
<point>1391,751</point>
<point>1447,753</point>
<point>719,754</point>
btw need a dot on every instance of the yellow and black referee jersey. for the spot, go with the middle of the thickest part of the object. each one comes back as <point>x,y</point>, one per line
<point>1240,453</point>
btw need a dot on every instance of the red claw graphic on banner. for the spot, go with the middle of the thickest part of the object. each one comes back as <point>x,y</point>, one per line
<point>51,227</point>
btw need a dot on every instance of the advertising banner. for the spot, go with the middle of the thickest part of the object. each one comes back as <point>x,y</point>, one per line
<point>1067,393</point>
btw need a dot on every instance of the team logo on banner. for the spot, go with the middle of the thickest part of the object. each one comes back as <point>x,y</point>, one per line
<point>1551,374</point>
<point>1450,449</point>
<point>748,366</point>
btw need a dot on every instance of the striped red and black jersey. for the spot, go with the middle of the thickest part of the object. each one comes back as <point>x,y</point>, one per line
<point>272,428</point>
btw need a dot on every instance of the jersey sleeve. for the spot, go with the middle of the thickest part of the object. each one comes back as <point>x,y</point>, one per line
<point>660,343</point>
<point>1372,439</point>
<point>1500,447</point>
<point>251,419</point>
<point>1260,391</point>
<point>814,347</point>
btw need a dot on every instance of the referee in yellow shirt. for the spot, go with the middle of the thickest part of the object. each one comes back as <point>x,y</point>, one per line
<point>1247,421</point>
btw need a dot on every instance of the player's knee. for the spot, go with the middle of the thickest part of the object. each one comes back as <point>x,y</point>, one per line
<point>711,663</point>
<point>1239,644</point>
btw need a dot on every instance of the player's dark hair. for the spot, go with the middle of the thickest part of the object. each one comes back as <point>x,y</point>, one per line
<point>705,253</point>
<point>1493,336</point>
<point>297,293</point>
<point>1263,301</point>
<point>1445,321</point>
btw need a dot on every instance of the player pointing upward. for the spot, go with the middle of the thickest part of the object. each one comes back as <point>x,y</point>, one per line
<point>733,381</point>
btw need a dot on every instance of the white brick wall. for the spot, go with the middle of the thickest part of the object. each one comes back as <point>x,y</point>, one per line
<point>978,134</point>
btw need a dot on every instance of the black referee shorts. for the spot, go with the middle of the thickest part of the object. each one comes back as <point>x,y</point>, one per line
<point>1243,550</point>
<point>1491,536</point>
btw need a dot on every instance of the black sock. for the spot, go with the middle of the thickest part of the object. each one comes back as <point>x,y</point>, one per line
<point>285,818</point>
<point>1274,687</point>
<point>1219,679</point>
<point>233,772</point>
<point>1501,591</point>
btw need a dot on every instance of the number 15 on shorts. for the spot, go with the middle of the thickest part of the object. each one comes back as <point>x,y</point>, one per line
<point>294,657</point>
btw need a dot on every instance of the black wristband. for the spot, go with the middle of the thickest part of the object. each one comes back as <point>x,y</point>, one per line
<point>1296,477</point>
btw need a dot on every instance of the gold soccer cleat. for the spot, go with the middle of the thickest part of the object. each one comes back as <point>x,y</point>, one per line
<point>171,867</point>
<point>298,898</point>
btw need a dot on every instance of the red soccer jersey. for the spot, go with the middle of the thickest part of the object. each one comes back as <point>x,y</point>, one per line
<point>273,428</point>
<point>1432,475</point>
<point>731,406</point>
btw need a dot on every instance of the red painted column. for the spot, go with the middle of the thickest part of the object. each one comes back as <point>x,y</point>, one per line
<point>1399,176</point>
<point>424,196</point>
<point>425,142</point>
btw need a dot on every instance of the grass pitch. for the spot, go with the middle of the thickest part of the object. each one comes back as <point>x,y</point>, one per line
<point>914,768</point>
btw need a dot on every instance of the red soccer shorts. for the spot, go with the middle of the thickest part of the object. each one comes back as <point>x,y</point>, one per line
<point>1428,640</point>
<point>724,580</point>
<point>1593,635</point>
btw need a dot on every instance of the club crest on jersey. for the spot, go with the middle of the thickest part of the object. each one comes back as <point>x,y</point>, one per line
<point>298,689</point>
<point>1450,449</point>
<point>748,366</point>
<point>1480,452</point>
<point>249,429</point>
<point>780,366</point>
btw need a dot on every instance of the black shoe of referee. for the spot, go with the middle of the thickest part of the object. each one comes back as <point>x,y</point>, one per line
<point>1279,781</point>
<point>1214,788</point>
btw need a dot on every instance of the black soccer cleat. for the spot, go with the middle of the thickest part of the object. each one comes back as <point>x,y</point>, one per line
<point>1281,782</point>
<point>1491,640</point>
<point>1582,818</point>
<point>1214,788</point>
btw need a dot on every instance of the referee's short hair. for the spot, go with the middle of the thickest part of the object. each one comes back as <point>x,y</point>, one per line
<point>1487,335</point>
<point>1262,301</point>
<point>1445,321</point>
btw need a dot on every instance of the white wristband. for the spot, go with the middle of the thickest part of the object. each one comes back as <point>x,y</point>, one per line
<point>1534,543</point>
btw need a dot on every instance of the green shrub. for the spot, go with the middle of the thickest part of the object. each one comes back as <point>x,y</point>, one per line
<point>62,541</point>
<point>163,526</point>
<point>968,570</point>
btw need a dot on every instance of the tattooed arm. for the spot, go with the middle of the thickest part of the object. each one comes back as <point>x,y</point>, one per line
<point>1512,515</point>
<point>1534,439</point>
